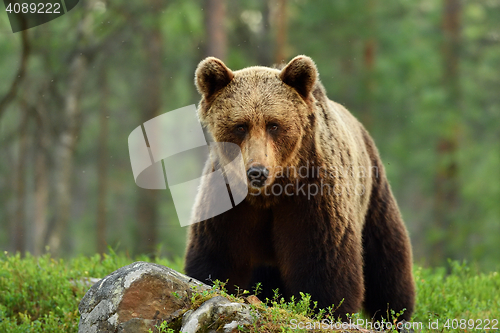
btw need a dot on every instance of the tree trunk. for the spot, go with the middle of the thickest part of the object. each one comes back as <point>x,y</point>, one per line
<point>58,237</point>
<point>215,17</point>
<point>446,181</point>
<point>102,168</point>
<point>18,225</point>
<point>370,47</point>
<point>281,28</point>
<point>21,73</point>
<point>147,202</point>
<point>41,181</point>
<point>451,48</point>
<point>64,151</point>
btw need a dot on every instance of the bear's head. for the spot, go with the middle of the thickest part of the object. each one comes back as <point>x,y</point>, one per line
<point>267,112</point>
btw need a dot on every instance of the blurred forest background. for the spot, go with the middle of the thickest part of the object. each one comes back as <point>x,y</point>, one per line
<point>423,77</point>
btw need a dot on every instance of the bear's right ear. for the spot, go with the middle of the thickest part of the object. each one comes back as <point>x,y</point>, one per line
<point>211,76</point>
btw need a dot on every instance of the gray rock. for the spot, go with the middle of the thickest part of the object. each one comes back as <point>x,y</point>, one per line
<point>135,298</point>
<point>217,314</point>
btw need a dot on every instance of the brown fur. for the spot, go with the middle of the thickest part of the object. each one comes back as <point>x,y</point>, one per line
<point>348,245</point>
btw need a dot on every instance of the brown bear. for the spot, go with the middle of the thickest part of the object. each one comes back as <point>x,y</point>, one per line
<point>319,216</point>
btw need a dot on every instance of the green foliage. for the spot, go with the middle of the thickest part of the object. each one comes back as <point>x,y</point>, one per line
<point>464,293</point>
<point>163,328</point>
<point>304,306</point>
<point>41,294</point>
<point>37,290</point>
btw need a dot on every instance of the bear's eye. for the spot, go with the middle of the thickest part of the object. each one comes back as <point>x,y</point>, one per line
<point>241,129</point>
<point>273,127</point>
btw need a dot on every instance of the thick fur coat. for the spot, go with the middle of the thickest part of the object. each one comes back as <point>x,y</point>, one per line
<point>323,220</point>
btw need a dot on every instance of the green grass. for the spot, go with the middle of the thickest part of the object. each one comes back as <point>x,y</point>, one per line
<point>458,298</point>
<point>41,294</point>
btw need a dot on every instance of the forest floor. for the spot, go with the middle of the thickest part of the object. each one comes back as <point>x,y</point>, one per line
<point>38,294</point>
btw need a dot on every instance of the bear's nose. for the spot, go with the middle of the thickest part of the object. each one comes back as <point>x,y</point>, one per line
<point>257,175</point>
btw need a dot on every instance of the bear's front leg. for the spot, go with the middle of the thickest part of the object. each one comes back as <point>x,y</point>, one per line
<point>229,246</point>
<point>209,256</point>
<point>319,252</point>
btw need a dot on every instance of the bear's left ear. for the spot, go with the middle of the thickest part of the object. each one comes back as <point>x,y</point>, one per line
<point>301,74</point>
<point>211,76</point>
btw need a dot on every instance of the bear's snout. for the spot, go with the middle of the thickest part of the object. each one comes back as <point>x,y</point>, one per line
<point>257,175</point>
